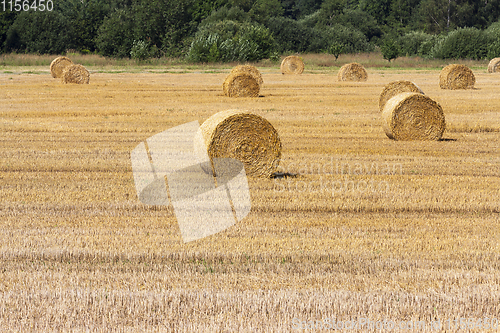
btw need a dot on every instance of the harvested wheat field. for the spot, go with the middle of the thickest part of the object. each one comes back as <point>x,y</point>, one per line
<point>369,228</point>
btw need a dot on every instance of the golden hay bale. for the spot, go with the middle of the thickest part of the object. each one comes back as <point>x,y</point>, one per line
<point>494,65</point>
<point>352,72</point>
<point>397,87</point>
<point>245,137</point>
<point>413,116</point>
<point>292,65</point>
<point>456,77</point>
<point>252,70</point>
<point>76,74</point>
<point>58,65</point>
<point>241,84</point>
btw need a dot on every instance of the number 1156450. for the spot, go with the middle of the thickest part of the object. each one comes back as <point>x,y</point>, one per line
<point>26,5</point>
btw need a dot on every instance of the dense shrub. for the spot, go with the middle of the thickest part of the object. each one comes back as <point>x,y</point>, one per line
<point>115,36</point>
<point>231,41</point>
<point>353,40</point>
<point>410,43</point>
<point>462,43</point>
<point>39,32</point>
<point>226,13</point>
<point>493,34</point>
<point>425,49</point>
<point>361,21</point>
<point>291,35</point>
<point>390,49</point>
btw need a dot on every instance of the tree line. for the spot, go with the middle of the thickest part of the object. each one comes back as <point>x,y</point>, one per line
<point>228,30</point>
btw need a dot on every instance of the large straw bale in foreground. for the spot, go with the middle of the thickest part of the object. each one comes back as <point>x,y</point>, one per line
<point>58,65</point>
<point>292,65</point>
<point>394,88</point>
<point>352,72</point>
<point>413,116</point>
<point>494,65</point>
<point>252,70</point>
<point>76,74</point>
<point>241,84</point>
<point>456,77</point>
<point>243,136</point>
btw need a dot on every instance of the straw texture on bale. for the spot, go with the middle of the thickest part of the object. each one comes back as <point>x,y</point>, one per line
<point>245,137</point>
<point>58,65</point>
<point>292,65</point>
<point>76,74</point>
<point>456,77</point>
<point>413,116</point>
<point>494,65</point>
<point>241,84</point>
<point>252,70</point>
<point>397,87</point>
<point>352,72</point>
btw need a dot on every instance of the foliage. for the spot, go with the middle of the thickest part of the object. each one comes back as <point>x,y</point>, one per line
<point>262,10</point>
<point>115,35</point>
<point>231,41</point>
<point>142,50</point>
<point>290,35</point>
<point>336,49</point>
<point>226,13</point>
<point>411,42</point>
<point>361,21</point>
<point>7,18</point>
<point>390,49</point>
<point>352,39</point>
<point>170,27</point>
<point>39,32</point>
<point>465,43</point>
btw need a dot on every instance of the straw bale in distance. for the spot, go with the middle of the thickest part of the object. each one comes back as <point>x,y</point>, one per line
<point>352,72</point>
<point>58,65</point>
<point>243,136</point>
<point>76,74</point>
<point>456,77</point>
<point>252,70</point>
<point>292,65</point>
<point>494,65</point>
<point>392,89</point>
<point>413,116</point>
<point>241,84</point>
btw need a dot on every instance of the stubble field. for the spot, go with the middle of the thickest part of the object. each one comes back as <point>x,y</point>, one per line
<point>370,228</point>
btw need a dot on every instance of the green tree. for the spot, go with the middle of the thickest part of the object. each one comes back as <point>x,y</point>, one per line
<point>115,35</point>
<point>336,49</point>
<point>390,49</point>
<point>39,32</point>
<point>330,12</point>
<point>86,16</point>
<point>7,18</point>
<point>262,10</point>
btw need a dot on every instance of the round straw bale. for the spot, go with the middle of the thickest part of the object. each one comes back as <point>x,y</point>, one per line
<point>241,84</point>
<point>397,87</point>
<point>58,65</point>
<point>494,65</point>
<point>76,74</point>
<point>413,116</point>
<point>243,136</point>
<point>456,77</point>
<point>352,72</point>
<point>292,65</point>
<point>252,70</point>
